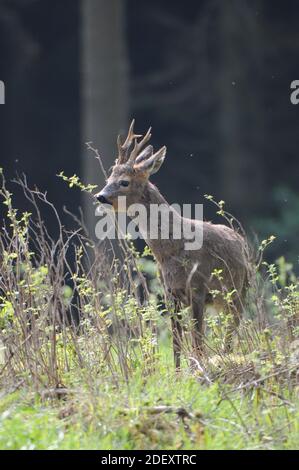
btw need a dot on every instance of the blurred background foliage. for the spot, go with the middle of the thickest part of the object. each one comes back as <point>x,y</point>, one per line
<point>211,77</point>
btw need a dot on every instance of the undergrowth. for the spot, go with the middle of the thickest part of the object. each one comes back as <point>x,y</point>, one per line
<point>85,349</point>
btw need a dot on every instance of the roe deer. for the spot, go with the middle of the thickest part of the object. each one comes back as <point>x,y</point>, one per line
<point>188,276</point>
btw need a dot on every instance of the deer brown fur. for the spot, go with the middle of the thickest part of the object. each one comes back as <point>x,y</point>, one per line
<point>188,275</point>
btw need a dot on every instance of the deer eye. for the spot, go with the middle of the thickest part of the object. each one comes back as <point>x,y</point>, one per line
<point>124,183</point>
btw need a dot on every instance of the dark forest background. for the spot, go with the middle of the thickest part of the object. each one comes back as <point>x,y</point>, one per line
<point>212,77</point>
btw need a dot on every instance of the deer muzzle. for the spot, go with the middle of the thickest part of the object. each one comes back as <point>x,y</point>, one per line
<point>103,199</point>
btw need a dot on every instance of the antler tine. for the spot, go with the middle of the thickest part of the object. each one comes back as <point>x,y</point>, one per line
<point>119,145</point>
<point>138,146</point>
<point>146,138</point>
<point>123,149</point>
<point>130,137</point>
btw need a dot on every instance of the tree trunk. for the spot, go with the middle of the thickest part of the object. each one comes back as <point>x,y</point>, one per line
<point>104,88</point>
<point>240,108</point>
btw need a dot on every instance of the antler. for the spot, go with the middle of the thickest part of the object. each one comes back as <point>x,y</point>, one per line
<point>123,149</point>
<point>139,145</point>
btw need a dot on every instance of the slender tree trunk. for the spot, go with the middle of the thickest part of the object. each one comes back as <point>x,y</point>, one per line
<point>104,88</point>
<point>240,110</point>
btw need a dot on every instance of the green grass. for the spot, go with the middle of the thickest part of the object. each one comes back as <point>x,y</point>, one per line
<point>102,415</point>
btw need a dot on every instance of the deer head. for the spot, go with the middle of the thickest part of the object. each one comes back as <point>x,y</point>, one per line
<point>135,163</point>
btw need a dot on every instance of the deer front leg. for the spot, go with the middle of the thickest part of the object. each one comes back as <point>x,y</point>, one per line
<point>177,337</point>
<point>173,307</point>
<point>197,307</point>
<point>177,333</point>
<point>235,313</point>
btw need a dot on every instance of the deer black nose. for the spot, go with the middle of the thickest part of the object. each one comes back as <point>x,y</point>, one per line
<point>102,199</point>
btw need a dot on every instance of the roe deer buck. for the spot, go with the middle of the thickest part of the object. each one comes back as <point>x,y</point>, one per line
<point>187,276</point>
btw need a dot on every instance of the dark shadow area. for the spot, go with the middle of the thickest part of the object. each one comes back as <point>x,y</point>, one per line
<point>212,78</point>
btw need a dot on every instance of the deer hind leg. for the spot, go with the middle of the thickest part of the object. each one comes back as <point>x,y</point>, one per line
<point>235,313</point>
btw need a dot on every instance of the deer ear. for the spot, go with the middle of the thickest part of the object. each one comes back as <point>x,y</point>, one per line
<point>148,162</point>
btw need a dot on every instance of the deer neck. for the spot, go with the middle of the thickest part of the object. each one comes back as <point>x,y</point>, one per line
<point>161,247</point>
